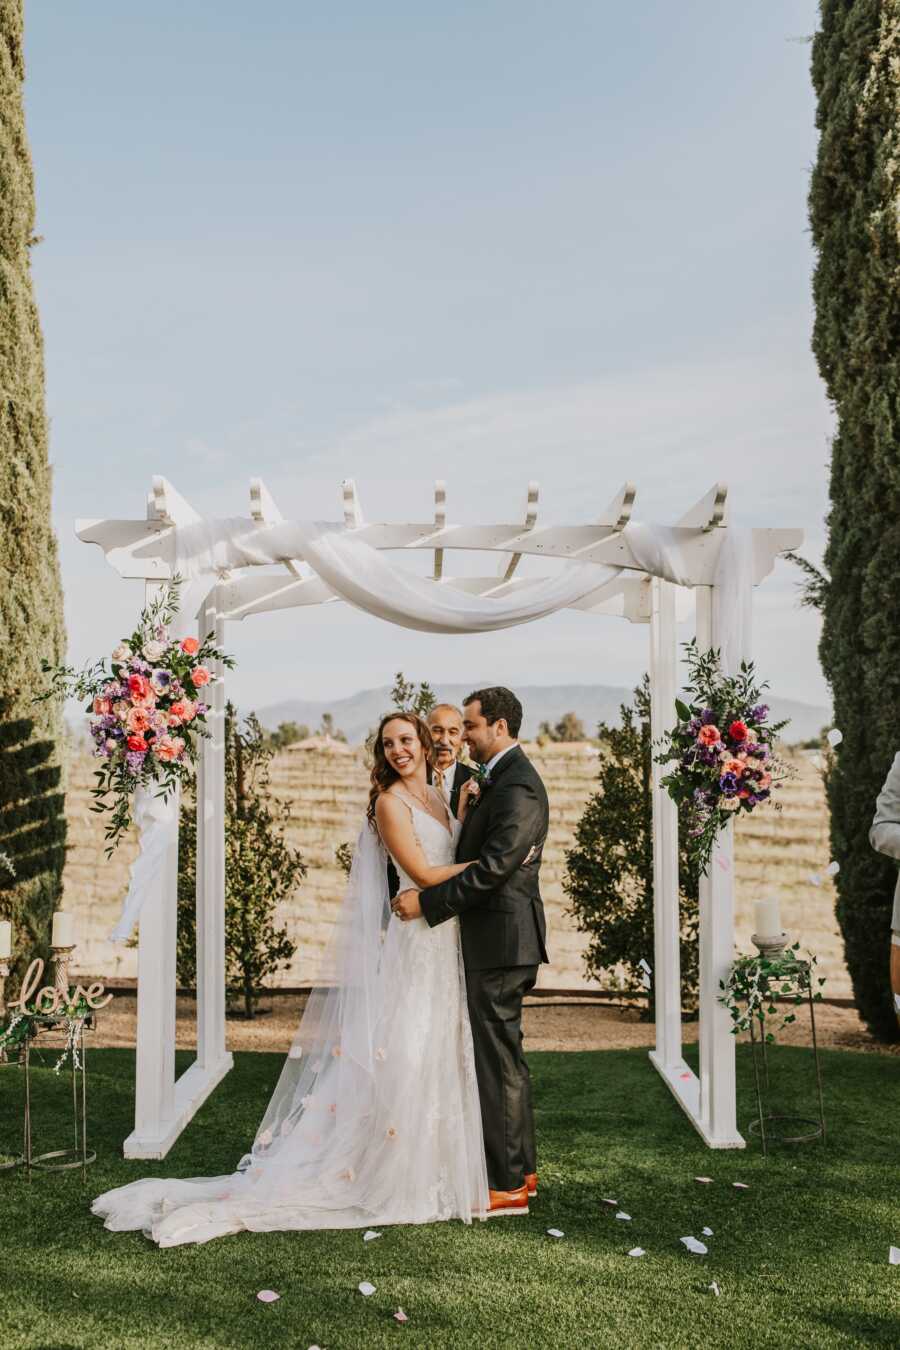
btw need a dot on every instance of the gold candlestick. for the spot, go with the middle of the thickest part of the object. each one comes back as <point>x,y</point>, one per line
<point>61,958</point>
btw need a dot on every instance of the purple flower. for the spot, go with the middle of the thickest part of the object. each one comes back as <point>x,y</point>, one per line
<point>729,784</point>
<point>694,725</point>
<point>135,760</point>
<point>707,716</point>
<point>759,713</point>
<point>160,679</point>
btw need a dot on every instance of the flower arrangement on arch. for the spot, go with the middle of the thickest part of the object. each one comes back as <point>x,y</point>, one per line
<point>722,748</point>
<point>146,708</point>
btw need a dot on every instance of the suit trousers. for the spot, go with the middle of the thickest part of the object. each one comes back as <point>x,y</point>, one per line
<point>504,1083</point>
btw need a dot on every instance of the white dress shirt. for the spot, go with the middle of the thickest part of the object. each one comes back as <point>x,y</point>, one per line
<point>495,760</point>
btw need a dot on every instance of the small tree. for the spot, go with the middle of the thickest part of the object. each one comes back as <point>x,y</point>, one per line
<point>285,734</point>
<point>569,728</point>
<point>261,870</point>
<point>327,728</point>
<point>418,699</point>
<point>609,871</point>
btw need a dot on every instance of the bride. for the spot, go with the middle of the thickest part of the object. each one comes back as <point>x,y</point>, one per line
<point>375,1118</point>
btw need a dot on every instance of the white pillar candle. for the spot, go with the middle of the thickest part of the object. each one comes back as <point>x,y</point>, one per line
<point>767,918</point>
<point>63,929</point>
<point>5,939</point>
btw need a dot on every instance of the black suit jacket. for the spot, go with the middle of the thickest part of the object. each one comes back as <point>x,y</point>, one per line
<point>460,775</point>
<point>498,899</point>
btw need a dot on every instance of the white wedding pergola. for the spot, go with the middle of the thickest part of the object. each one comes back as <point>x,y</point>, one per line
<point>137,548</point>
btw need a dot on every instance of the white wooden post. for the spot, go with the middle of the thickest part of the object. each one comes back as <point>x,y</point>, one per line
<point>718,1115</point>
<point>154,1088</point>
<point>666,962</point>
<point>211,1053</point>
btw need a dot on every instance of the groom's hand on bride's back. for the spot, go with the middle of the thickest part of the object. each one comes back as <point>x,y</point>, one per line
<point>406,905</point>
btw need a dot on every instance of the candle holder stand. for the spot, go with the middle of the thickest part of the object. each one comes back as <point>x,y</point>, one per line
<point>62,957</point>
<point>778,1127</point>
<point>8,1161</point>
<point>78,1156</point>
<point>769,946</point>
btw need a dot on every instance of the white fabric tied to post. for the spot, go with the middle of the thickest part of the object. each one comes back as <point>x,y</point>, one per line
<point>157,824</point>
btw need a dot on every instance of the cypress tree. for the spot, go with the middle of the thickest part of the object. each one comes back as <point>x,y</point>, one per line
<point>32,821</point>
<point>854,198</point>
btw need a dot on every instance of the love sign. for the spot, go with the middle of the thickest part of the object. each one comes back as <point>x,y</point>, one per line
<point>47,1000</point>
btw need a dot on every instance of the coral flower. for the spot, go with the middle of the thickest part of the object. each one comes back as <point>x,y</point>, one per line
<point>102,705</point>
<point>190,645</point>
<point>733,766</point>
<point>178,712</point>
<point>137,743</point>
<point>200,676</point>
<point>765,780</point>
<point>139,685</point>
<point>708,735</point>
<point>738,731</point>
<point>138,721</point>
<point>166,750</point>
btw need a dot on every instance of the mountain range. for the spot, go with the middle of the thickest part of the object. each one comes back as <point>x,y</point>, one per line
<point>592,703</point>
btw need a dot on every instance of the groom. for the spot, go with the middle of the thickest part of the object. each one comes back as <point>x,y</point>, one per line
<point>503,931</point>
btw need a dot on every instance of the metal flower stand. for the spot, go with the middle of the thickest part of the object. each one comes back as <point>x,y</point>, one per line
<point>59,1159</point>
<point>779,1127</point>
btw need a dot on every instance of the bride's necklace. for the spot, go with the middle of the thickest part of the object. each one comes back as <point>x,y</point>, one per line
<point>423,801</point>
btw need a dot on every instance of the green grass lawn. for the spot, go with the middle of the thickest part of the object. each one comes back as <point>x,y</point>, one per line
<point>800,1257</point>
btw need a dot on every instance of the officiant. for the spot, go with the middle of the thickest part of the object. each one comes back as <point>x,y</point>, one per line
<point>445,722</point>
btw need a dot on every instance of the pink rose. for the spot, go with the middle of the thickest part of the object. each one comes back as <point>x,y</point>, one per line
<point>177,713</point>
<point>137,743</point>
<point>200,676</point>
<point>708,735</point>
<point>102,705</point>
<point>165,749</point>
<point>138,685</point>
<point>733,766</point>
<point>190,645</point>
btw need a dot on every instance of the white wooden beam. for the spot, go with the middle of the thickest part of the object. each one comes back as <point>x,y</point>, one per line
<point>618,512</point>
<point>264,511</point>
<point>709,512</point>
<point>171,507</point>
<point>353,516</point>
<point>508,565</point>
<point>440,520</point>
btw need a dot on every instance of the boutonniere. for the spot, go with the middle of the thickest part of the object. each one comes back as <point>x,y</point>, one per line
<point>482,780</point>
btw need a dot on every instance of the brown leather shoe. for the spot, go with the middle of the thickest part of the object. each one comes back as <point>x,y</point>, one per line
<point>508,1202</point>
<point>531,1183</point>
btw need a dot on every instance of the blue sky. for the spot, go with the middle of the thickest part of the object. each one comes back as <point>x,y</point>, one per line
<point>486,243</point>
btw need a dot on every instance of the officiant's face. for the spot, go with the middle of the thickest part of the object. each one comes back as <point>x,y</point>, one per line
<point>446,730</point>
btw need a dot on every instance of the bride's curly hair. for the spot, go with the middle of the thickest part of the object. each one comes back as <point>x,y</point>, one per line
<point>382,773</point>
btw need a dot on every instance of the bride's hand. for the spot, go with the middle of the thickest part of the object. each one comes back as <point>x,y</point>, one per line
<point>468,793</point>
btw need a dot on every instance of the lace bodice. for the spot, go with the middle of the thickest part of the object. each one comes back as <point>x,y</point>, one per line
<point>436,841</point>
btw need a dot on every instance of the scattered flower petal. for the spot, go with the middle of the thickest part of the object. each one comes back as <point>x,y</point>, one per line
<point>814,879</point>
<point>366,1289</point>
<point>637,1251</point>
<point>714,1288</point>
<point>832,869</point>
<point>614,1204</point>
<point>723,863</point>
<point>685,1075</point>
<point>740,1186</point>
<point>834,736</point>
<point>894,1256</point>
<point>694,1246</point>
<point>400,1316</point>
<point>705,1180</point>
<point>707,1232</point>
<point>645,982</point>
<point>268,1296</point>
<point>622,1215</point>
<point>642,965</point>
<point>370,1235</point>
<point>555,1233</point>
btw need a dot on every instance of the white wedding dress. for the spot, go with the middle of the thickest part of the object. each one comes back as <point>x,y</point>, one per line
<point>376,1118</point>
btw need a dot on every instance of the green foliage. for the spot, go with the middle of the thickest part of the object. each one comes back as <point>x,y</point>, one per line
<point>285,734</point>
<point>343,856</point>
<point>569,728</point>
<point>410,697</point>
<point>327,728</point>
<point>261,870</point>
<point>609,871</point>
<point>32,818</point>
<point>757,984</point>
<point>854,191</point>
